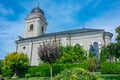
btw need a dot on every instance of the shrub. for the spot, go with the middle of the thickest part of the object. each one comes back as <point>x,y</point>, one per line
<point>27,76</point>
<point>0,66</point>
<point>110,68</point>
<point>75,74</point>
<point>44,69</point>
<point>14,62</point>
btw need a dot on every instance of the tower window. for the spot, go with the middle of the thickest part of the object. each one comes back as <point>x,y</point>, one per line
<point>24,47</point>
<point>31,27</point>
<point>42,29</point>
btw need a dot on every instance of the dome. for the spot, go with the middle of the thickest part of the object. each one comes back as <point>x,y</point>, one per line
<point>37,10</point>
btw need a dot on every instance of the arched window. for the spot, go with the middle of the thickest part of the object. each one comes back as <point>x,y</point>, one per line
<point>24,47</point>
<point>31,27</point>
<point>96,47</point>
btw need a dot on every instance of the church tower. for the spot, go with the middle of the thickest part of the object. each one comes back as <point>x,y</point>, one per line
<point>35,23</point>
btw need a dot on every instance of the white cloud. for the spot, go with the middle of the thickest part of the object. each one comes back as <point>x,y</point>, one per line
<point>5,11</point>
<point>108,21</point>
<point>9,30</point>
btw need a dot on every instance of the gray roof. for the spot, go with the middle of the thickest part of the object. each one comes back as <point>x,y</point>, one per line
<point>37,10</point>
<point>83,30</point>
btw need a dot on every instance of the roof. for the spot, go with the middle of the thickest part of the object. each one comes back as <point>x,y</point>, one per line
<point>83,30</point>
<point>37,10</point>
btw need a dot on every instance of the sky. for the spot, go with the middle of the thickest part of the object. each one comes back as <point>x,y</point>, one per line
<point>61,15</point>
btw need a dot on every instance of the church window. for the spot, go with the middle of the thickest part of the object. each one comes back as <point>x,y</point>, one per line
<point>24,47</point>
<point>31,27</point>
<point>96,48</point>
<point>42,29</point>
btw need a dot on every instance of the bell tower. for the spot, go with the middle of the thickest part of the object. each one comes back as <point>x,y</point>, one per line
<point>36,23</point>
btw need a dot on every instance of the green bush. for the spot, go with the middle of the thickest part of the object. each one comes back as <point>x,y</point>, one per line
<point>27,76</point>
<point>110,68</point>
<point>0,66</point>
<point>75,74</point>
<point>44,69</point>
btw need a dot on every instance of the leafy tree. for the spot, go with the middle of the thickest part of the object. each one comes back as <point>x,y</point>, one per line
<point>118,34</point>
<point>113,49</point>
<point>73,54</point>
<point>50,52</point>
<point>0,66</point>
<point>104,55</point>
<point>14,62</point>
<point>110,51</point>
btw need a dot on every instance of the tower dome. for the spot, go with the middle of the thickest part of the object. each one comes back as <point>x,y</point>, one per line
<point>37,10</point>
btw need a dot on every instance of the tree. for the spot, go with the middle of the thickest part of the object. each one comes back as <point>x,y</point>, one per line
<point>14,62</point>
<point>50,52</point>
<point>73,54</point>
<point>0,66</point>
<point>118,34</point>
<point>110,51</point>
<point>104,55</point>
<point>113,50</point>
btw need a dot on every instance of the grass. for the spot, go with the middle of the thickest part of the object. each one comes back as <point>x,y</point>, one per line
<point>109,77</point>
<point>33,78</point>
<point>101,77</point>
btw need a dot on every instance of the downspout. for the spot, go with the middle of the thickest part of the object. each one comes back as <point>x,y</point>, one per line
<point>69,40</point>
<point>31,52</point>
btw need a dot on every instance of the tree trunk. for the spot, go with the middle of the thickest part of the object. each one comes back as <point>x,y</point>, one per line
<point>50,71</point>
<point>15,73</point>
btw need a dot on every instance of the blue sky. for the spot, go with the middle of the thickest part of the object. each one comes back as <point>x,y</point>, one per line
<point>61,15</point>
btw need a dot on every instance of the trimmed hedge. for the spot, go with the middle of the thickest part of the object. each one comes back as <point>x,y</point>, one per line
<point>110,68</point>
<point>44,69</point>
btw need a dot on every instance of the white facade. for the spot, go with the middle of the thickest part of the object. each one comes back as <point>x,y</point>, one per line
<point>34,38</point>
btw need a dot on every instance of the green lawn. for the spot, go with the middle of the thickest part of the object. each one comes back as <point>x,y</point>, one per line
<point>33,78</point>
<point>101,77</point>
<point>109,77</point>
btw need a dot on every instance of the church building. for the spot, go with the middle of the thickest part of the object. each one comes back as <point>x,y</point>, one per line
<point>35,34</point>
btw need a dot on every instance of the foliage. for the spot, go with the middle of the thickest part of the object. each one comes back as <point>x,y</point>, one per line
<point>44,69</point>
<point>118,34</point>
<point>110,51</point>
<point>50,52</point>
<point>92,63</point>
<point>14,62</point>
<point>27,76</point>
<point>104,55</point>
<point>75,74</point>
<point>49,55</point>
<point>0,66</point>
<point>73,54</point>
<point>110,68</point>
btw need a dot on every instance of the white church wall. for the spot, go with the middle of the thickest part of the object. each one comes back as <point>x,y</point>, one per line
<point>28,32</point>
<point>24,48</point>
<point>87,40</point>
<point>35,60</point>
<point>64,41</point>
<point>107,39</point>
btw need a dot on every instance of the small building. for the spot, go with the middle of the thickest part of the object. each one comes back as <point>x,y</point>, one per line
<point>35,34</point>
